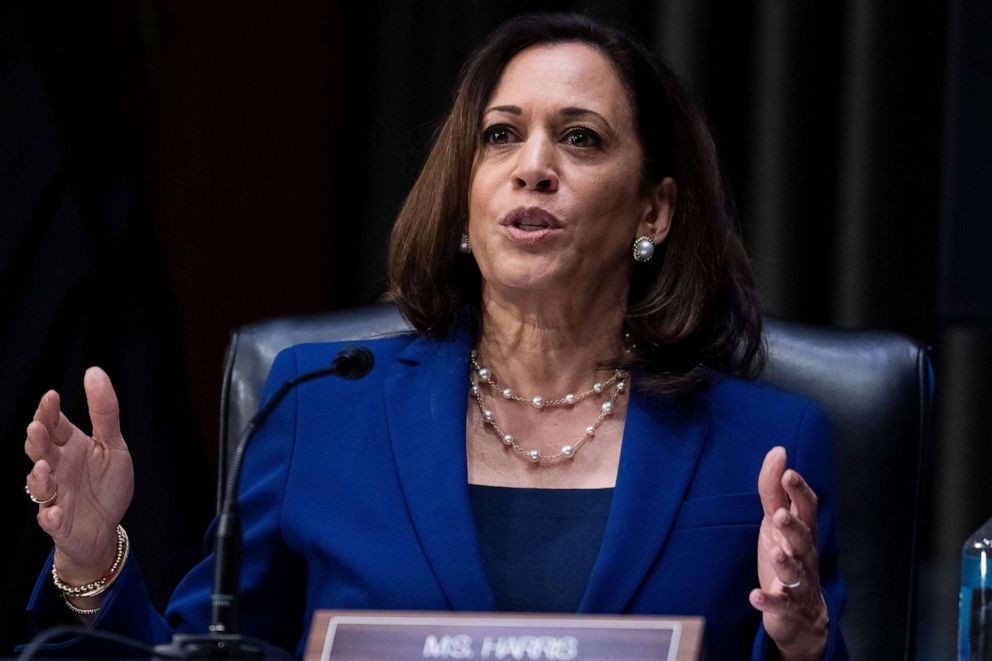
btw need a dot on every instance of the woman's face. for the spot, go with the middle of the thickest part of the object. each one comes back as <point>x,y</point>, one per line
<point>556,198</point>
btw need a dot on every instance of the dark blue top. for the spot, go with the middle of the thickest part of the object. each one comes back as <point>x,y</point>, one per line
<point>539,545</point>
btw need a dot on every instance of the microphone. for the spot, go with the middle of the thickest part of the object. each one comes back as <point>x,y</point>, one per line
<point>224,640</point>
<point>352,363</point>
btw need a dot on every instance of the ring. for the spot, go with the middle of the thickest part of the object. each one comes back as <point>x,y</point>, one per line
<point>36,501</point>
<point>793,586</point>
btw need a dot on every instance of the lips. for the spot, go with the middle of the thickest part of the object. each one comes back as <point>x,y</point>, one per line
<point>531,219</point>
<point>531,227</point>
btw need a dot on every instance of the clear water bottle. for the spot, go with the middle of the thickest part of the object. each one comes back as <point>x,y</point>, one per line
<point>975,624</point>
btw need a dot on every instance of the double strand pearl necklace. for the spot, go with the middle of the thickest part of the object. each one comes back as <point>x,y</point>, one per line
<point>482,375</point>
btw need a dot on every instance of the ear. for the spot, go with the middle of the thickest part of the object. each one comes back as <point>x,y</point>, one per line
<point>657,218</point>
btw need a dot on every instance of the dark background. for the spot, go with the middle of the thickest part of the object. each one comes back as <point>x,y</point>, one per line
<point>172,170</point>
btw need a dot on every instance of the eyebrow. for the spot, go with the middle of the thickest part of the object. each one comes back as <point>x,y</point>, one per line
<point>513,110</point>
<point>570,111</point>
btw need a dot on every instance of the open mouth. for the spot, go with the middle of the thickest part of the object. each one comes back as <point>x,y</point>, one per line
<point>531,219</point>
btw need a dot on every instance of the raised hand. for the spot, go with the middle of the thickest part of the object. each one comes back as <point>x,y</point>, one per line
<point>793,610</point>
<point>90,477</point>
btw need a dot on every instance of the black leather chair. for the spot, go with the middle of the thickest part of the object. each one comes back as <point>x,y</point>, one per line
<point>875,387</point>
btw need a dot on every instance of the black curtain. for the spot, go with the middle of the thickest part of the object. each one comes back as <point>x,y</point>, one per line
<point>853,136</point>
<point>82,283</point>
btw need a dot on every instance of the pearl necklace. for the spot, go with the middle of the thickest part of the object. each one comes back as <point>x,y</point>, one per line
<point>538,402</point>
<point>484,376</point>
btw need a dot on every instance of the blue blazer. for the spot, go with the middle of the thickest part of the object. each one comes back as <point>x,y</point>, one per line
<point>354,496</point>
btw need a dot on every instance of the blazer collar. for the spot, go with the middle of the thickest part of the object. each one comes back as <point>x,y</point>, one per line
<point>426,405</point>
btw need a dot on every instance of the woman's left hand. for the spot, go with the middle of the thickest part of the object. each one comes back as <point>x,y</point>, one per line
<point>793,610</point>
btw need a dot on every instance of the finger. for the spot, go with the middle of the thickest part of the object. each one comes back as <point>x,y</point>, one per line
<point>60,428</point>
<point>48,410</point>
<point>104,411</point>
<point>38,445</point>
<point>792,535</point>
<point>769,602</point>
<point>770,488</point>
<point>63,431</point>
<point>788,570</point>
<point>52,520</point>
<point>804,501</point>
<point>41,483</point>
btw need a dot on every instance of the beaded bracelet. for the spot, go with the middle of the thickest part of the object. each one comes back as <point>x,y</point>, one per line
<point>77,610</point>
<point>102,584</point>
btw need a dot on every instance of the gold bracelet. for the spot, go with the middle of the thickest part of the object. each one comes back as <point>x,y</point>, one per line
<point>77,610</point>
<point>102,584</point>
<point>115,569</point>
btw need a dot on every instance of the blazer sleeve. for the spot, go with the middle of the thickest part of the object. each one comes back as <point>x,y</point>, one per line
<point>812,456</point>
<point>272,579</point>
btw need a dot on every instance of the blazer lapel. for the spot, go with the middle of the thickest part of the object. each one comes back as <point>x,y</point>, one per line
<point>662,442</point>
<point>426,405</point>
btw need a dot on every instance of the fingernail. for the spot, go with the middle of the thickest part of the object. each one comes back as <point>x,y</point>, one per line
<point>760,598</point>
<point>793,479</point>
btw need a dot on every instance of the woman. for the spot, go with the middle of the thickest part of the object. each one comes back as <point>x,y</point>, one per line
<point>560,434</point>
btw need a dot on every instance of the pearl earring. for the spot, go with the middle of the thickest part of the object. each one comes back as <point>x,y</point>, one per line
<point>643,249</point>
<point>466,246</point>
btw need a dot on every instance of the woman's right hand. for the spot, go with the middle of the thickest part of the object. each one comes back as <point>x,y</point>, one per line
<point>93,476</point>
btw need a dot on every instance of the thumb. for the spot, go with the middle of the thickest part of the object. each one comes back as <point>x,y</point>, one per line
<point>770,481</point>
<point>104,411</point>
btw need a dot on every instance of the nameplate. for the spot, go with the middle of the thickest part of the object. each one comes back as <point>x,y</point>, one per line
<point>402,635</point>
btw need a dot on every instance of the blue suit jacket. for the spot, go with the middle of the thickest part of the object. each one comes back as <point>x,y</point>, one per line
<point>354,495</point>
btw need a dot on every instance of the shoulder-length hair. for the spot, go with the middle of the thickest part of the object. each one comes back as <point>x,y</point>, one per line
<point>692,307</point>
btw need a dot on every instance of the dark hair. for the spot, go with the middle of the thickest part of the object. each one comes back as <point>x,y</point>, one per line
<point>693,306</point>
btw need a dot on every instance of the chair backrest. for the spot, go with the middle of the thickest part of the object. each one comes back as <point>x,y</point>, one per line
<point>877,391</point>
<point>875,387</point>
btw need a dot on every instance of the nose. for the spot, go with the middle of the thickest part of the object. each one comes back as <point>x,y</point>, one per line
<point>536,167</point>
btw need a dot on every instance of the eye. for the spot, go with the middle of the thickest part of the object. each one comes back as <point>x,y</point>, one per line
<point>497,134</point>
<point>579,136</point>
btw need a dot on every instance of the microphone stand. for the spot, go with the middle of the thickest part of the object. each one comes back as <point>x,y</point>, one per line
<point>224,640</point>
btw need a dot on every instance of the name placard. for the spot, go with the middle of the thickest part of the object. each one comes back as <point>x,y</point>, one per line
<point>399,635</point>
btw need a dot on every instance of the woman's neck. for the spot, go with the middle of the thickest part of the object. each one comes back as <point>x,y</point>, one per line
<point>547,346</point>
